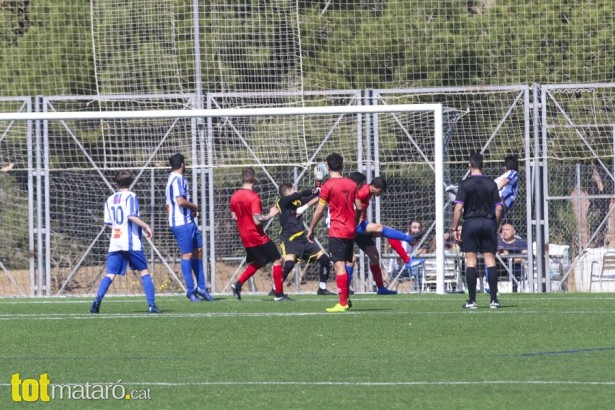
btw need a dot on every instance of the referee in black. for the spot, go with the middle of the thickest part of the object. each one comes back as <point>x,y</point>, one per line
<point>478,201</point>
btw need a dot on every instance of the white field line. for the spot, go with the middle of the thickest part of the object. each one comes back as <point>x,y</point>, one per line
<point>357,383</point>
<point>256,298</point>
<point>115,316</point>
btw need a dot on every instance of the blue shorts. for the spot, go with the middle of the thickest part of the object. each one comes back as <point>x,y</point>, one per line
<point>188,237</point>
<point>117,261</point>
<point>361,227</point>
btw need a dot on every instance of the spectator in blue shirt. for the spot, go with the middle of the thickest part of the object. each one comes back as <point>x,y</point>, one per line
<point>510,243</point>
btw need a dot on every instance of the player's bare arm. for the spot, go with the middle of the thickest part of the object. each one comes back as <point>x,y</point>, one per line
<point>457,212</point>
<point>233,216</point>
<point>318,213</point>
<point>7,168</point>
<point>359,209</point>
<point>502,183</point>
<point>181,201</point>
<point>148,230</point>
<point>259,218</point>
<point>498,215</point>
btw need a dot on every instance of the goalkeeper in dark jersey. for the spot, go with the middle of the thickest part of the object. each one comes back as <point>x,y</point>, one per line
<point>294,244</point>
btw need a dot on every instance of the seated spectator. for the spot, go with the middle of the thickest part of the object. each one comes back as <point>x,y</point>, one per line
<point>509,243</point>
<point>416,262</point>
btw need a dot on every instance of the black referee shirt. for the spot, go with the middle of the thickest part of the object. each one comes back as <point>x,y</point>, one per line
<point>479,196</point>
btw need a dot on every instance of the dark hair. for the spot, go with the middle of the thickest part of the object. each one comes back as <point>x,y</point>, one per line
<point>379,182</point>
<point>248,175</point>
<point>285,188</point>
<point>335,162</point>
<point>123,178</point>
<point>359,178</point>
<point>176,161</point>
<point>511,162</point>
<point>476,160</point>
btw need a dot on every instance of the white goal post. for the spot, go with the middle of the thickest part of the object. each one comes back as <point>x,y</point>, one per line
<point>435,162</point>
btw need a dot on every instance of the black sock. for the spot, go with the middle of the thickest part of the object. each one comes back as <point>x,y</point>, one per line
<point>287,268</point>
<point>325,268</point>
<point>492,277</point>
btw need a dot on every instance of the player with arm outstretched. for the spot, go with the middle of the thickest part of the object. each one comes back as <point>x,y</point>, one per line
<point>338,193</point>
<point>125,246</point>
<point>293,240</point>
<point>246,210</point>
<point>366,230</point>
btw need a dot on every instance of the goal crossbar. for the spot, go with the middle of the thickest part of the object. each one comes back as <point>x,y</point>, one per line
<point>226,112</point>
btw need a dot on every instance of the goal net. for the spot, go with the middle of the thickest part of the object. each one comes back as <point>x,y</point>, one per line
<point>83,149</point>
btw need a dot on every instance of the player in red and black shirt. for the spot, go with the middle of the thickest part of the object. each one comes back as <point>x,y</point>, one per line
<point>246,209</point>
<point>338,193</point>
<point>293,239</point>
<point>479,202</point>
<point>366,230</point>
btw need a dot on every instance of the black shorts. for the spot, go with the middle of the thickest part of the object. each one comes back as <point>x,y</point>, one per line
<point>479,235</point>
<point>364,241</point>
<point>263,254</point>
<point>341,250</point>
<point>300,247</point>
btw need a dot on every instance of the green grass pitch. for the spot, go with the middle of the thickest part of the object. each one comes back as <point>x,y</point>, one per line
<point>539,351</point>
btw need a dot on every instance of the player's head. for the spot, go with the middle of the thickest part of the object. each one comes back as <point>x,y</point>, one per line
<point>378,186</point>
<point>248,176</point>
<point>176,161</point>
<point>335,162</point>
<point>476,160</point>
<point>358,178</point>
<point>286,189</point>
<point>123,179</point>
<point>511,162</point>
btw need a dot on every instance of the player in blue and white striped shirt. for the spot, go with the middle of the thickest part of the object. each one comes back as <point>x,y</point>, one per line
<point>182,213</point>
<point>508,184</point>
<point>125,247</point>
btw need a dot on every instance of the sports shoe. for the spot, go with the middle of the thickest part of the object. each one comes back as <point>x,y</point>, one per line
<point>469,305</point>
<point>494,304</point>
<point>271,292</point>
<point>385,291</point>
<point>236,287</point>
<point>324,292</point>
<point>95,308</point>
<point>193,297</point>
<point>283,298</point>
<point>153,309</point>
<point>349,304</point>
<point>204,294</point>
<point>338,308</point>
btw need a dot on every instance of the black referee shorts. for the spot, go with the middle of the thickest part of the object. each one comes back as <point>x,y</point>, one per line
<point>479,235</point>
